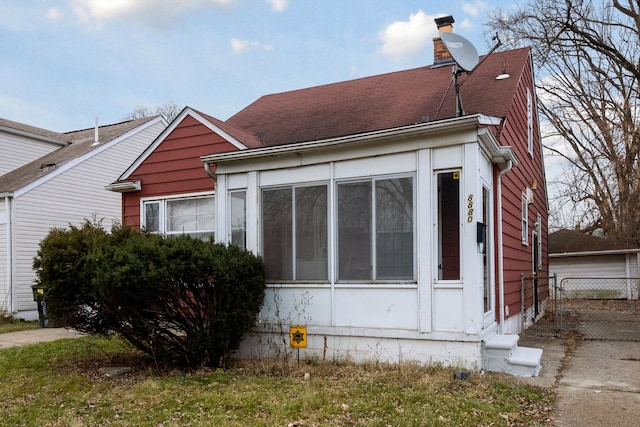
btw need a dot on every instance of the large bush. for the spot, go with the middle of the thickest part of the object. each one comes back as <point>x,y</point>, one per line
<point>182,300</point>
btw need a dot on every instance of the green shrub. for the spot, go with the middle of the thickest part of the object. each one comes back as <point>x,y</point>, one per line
<point>182,300</point>
<point>62,267</point>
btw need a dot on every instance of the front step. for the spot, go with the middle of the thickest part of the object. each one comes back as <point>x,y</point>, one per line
<point>500,353</point>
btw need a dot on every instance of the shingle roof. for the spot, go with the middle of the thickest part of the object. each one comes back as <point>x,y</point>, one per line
<point>81,143</point>
<point>246,137</point>
<point>568,241</point>
<point>379,102</point>
<point>34,130</point>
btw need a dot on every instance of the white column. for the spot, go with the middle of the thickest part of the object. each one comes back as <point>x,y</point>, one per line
<point>424,238</point>
<point>253,212</point>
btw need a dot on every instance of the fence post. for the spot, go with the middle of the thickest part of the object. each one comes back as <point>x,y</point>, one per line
<point>557,303</point>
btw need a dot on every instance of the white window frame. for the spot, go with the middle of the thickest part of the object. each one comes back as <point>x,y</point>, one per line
<point>539,230</point>
<point>231,229</point>
<point>293,188</point>
<point>525,219</point>
<point>529,123</point>
<point>335,221</point>
<point>162,212</point>
<point>437,249</point>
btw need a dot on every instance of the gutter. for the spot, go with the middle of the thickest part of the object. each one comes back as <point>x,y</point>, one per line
<point>421,129</point>
<point>37,137</point>
<point>588,253</point>
<point>124,187</point>
<point>502,172</point>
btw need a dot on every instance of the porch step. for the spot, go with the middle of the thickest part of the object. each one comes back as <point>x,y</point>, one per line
<point>501,353</point>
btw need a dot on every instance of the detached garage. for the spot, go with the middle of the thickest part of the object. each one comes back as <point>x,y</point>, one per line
<point>575,255</point>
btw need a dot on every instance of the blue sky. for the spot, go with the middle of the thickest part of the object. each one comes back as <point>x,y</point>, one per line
<point>66,62</point>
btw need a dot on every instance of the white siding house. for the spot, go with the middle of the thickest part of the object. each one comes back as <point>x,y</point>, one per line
<point>61,188</point>
<point>20,144</point>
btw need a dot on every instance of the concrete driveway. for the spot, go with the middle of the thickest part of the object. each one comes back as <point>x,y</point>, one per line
<point>600,385</point>
<point>598,382</point>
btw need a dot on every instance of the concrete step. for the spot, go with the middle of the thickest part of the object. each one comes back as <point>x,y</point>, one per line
<point>501,353</point>
<point>525,362</point>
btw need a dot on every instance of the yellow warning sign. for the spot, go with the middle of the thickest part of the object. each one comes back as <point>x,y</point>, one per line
<point>298,336</point>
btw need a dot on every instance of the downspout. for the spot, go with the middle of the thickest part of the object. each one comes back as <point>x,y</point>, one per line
<point>207,169</point>
<point>500,250</point>
<point>218,231</point>
<point>9,290</point>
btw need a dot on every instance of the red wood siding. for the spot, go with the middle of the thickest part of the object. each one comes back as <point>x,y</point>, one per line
<point>518,257</point>
<point>175,167</point>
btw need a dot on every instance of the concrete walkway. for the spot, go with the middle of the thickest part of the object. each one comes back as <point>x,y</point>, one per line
<point>598,382</point>
<point>33,336</point>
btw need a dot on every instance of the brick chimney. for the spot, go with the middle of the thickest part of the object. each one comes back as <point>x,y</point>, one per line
<point>441,55</point>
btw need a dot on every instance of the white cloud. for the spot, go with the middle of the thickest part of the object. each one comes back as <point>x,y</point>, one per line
<point>240,46</point>
<point>55,14</point>
<point>145,11</point>
<point>403,39</point>
<point>466,24</point>
<point>278,5</point>
<point>474,8</point>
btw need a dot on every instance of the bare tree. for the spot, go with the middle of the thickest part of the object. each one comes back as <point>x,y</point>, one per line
<point>168,111</point>
<point>587,54</point>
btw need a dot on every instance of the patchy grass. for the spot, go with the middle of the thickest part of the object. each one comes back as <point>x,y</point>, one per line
<point>9,324</point>
<point>58,384</point>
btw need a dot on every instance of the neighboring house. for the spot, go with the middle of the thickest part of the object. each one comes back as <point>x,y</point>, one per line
<point>20,144</point>
<point>583,258</point>
<point>391,228</point>
<point>65,186</point>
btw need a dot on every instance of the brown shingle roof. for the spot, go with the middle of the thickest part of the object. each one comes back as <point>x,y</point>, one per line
<point>566,241</point>
<point>34,130</point>
<point>379,102</point>
<point>246,137</point>
<point>81,143</point>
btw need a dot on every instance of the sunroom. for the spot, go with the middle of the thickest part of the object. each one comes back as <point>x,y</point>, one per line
<point>380,244</point>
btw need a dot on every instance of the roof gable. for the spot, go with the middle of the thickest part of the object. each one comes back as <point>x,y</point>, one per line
<point>237,137</point>
<point>82,144</point>
<point>385,101</point>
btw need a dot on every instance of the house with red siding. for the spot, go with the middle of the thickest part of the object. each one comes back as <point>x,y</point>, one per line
<point>392,227</point>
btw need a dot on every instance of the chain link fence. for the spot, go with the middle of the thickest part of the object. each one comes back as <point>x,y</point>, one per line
<point>602,308</point>
<point>537,305</point>
<point>534,293</point>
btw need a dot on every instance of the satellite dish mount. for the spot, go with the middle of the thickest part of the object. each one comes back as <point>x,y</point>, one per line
<point>466,58</point>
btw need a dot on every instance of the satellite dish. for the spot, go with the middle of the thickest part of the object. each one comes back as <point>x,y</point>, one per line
<point>461,50</point>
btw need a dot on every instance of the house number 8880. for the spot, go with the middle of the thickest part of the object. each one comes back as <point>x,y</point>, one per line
<point>470,208</point>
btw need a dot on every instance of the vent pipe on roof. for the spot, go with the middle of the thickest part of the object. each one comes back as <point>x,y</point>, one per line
<point>441,55</point>
<point>96,139</point>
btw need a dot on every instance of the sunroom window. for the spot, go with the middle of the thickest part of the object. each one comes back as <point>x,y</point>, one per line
<point>375,229</point>
<point>295,233</point>
<point>238,216</point>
